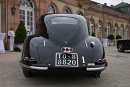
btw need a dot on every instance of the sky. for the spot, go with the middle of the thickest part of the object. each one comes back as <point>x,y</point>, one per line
<point>111,2</point>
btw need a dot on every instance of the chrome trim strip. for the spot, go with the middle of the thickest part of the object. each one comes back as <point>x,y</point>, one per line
<point>44,43</point>
<point>83,59</point>
<point>39,68</point>
<point>34,67</point>
<point>86,44</point>
<point>95,69</point>
<point>93,43</point>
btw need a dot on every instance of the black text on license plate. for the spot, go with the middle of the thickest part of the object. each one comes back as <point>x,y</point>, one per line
<point>70,60</point>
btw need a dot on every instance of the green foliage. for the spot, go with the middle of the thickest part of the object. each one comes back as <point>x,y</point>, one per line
<point>118,37</point>
<point>20,34</point>
<point>111,37</point>
<point>93,34</point>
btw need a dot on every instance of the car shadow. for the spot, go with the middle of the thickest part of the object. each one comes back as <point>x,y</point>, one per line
<point>62,79</point>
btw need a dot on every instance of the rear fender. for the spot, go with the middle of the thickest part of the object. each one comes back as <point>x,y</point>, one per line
<point>98,50</point>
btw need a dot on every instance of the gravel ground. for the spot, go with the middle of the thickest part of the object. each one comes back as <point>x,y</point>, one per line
<point>117,73</point>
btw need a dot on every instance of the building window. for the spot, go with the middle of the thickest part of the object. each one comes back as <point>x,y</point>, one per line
<point>0,17</point>
<point>100,30</point>
<point>91,26</point>
<point>27,15</point>
<point>22,15</point>
<point>80,13</point>
<point>52,8</point>
<point>108,29</point>
<point>26,3</point>
<point>67,11</point>
<point>127,32</point>
<point>121,32</point>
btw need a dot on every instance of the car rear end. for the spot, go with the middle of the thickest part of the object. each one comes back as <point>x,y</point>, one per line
<point>67,47</point>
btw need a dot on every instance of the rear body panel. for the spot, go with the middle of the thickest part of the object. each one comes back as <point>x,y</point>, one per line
<point>63,30</point>
<point>45,51</point>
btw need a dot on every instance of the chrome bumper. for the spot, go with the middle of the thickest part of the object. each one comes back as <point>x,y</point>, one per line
<point>95,69</point>
<point>46,68</point>
<point>33,67</point>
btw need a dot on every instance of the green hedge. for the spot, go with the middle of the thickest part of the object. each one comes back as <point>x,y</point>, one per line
<point>93,34</point>
<point>20,34</point>
<point>111,37</point>
<point>118,37</point>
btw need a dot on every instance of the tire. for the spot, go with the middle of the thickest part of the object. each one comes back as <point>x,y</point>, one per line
<point>27,73</point>
<point>120,47</point>
<point>95,74</point>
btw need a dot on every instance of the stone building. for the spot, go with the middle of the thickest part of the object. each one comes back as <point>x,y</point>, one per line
<point>103,20</point>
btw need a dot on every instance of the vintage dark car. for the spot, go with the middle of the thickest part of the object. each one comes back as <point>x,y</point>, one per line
<point>123,45</point>
<point>62,45</point>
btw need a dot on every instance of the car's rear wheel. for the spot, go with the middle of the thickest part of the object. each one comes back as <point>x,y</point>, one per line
<point>120,47</point>
<point>27,73</point>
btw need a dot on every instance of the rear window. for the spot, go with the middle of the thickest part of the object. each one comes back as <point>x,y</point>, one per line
<point>64,20</point>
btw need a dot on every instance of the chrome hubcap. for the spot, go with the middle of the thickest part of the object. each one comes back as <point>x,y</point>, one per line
<point>119,47</point>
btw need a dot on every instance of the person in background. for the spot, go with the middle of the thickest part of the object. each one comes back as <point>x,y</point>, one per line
<point>11,34</point>
<point>29,33</point>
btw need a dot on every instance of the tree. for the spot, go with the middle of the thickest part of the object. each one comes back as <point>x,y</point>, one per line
<point>118,37</point>
<point>20,34</point>
<point>111,37</point>
<point>93,34</point>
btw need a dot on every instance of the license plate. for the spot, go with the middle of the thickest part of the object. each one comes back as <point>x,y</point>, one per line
<point>69,60</point>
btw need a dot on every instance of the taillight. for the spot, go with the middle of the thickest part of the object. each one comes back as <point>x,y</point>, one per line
<point>62,49</point>
<point>71,49</point>
<point>31,60</point>
<point>100,61</point>
<point>26,59</point>
<point>67,49</point>
<point>104,60</point>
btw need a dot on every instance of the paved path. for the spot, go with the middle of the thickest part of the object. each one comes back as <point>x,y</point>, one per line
<point>117,73</point>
